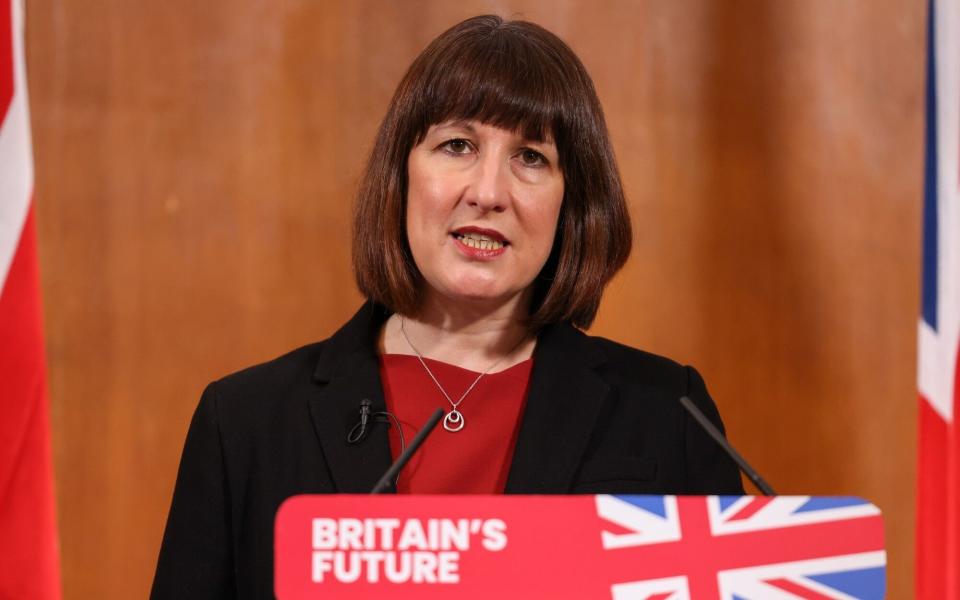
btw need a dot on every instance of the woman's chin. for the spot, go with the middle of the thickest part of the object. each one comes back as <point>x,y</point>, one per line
<point>478,295</point>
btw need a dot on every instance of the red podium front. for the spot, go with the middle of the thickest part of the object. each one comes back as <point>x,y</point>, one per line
<point>621,547</point>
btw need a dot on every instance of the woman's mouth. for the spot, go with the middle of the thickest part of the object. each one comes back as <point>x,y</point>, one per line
<point>479,244</point>
<point>479,241</point>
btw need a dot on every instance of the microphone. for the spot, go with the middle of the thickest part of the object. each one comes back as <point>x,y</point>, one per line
<point>384,484</point>
<point>359,431</point>
<point>709,427</point>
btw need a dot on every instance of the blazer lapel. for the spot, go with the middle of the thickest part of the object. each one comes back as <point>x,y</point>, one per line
<point>563,402</point>
<point>349,371</point>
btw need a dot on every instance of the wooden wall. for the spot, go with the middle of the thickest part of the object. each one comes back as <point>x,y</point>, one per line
<point>196,163</point>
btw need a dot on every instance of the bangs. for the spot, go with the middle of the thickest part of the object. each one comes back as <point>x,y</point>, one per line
<point>499,79</point>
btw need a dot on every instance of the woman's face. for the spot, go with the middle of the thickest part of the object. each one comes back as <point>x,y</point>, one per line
<point>482,210</point>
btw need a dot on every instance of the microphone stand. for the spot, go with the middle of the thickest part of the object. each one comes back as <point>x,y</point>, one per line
<point>387,480</point>
<point>705,423</point>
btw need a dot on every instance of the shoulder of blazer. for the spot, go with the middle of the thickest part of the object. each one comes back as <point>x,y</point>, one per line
<point>245,400</point>
<point>287,375</point>
<point>269,408</point>
<point>625,363</point>
<point>273,374</point>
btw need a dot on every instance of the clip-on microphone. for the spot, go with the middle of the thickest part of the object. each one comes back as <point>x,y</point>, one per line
<point>359,431</point>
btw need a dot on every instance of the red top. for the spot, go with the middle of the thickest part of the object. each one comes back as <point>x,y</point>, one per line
<point>474,460</point>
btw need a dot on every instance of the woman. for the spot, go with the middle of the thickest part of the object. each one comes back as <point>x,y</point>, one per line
<point>490,218</point>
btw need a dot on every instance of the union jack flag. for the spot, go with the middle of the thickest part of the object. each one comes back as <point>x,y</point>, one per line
<point>938,490</point>
<point>742,547</point>
<point>29,565</point>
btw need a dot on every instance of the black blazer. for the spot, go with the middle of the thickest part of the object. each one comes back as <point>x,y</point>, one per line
<point>600,418</point>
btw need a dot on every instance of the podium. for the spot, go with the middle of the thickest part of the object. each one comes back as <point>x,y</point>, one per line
<point>605,546</point>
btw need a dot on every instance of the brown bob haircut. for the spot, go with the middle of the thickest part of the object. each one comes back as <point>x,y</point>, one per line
<point>518,76</point>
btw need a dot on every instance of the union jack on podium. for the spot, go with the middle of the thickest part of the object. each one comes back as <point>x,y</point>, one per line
<point>938,493</point>
<point>743,547</point>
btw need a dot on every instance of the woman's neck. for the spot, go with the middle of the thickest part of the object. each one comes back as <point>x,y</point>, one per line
<point>471,336</point>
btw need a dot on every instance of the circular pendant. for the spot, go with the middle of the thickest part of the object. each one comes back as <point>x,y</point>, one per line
<point>453,421</point>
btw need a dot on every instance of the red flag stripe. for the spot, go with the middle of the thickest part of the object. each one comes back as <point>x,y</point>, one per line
<point>751,508</point>
<point>29,564</point>
<point>797,590</point>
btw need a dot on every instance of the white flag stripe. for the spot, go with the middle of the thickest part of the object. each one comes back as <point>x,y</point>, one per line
<point>748,582</point>
<point>16,160</point>
<point>784,513</point>
<point>938,349</point>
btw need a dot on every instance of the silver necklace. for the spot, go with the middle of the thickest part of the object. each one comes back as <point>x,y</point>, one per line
<point>453,421</point>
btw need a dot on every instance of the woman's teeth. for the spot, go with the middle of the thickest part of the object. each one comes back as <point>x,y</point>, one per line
<point>478,241</point>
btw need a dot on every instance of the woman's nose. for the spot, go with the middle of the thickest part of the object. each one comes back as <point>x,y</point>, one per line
<point>489,185</point>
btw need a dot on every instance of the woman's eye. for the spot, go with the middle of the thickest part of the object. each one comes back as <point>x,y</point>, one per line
<point>456,146</point>
<point>532,158</point>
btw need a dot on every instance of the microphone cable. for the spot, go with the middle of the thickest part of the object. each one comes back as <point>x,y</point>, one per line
<point>359,432</point>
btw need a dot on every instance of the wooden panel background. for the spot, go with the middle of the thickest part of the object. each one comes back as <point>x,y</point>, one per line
<point>196,163</point>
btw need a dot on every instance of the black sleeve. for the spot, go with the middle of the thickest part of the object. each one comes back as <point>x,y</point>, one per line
<point>709,470</point>
<point>196,556</point>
